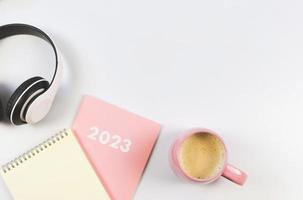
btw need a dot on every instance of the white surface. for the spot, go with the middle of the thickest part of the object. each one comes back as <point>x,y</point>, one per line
<point>232,66</point>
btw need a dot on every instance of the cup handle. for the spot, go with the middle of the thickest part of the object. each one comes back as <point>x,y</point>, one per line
<point>234,174</point>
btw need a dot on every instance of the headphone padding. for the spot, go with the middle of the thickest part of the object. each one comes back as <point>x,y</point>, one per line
<point>21,95</point>
<point>1,111</point>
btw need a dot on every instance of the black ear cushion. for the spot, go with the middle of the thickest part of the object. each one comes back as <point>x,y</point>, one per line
<point>1,111</point>
<point>24,94</point>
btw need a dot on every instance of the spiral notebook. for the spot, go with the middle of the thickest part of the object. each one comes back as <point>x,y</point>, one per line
<point>55,169</point>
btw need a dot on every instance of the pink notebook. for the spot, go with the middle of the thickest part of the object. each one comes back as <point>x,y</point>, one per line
<point>117,142</point>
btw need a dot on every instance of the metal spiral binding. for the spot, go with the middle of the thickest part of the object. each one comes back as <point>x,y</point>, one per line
<point>34,151</point>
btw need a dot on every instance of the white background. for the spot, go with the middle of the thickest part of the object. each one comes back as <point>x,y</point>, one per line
<point>235,66</point>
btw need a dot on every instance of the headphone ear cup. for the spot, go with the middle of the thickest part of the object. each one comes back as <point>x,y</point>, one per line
<point>23,96</point>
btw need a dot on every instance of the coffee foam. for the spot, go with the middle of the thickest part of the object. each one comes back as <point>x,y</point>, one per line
<point>202,155</point>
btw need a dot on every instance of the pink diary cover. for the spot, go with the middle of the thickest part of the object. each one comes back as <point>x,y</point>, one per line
<point>117,142</point>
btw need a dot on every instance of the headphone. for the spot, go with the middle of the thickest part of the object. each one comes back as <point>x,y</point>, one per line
<point>33,99</point>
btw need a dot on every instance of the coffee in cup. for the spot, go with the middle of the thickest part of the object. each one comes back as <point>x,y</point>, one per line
<point>200,155</point>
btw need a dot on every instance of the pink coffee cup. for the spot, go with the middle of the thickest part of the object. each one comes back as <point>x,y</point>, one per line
<point>225,169</point>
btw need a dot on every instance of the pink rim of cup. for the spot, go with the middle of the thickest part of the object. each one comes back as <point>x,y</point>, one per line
<point>228,171</point>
